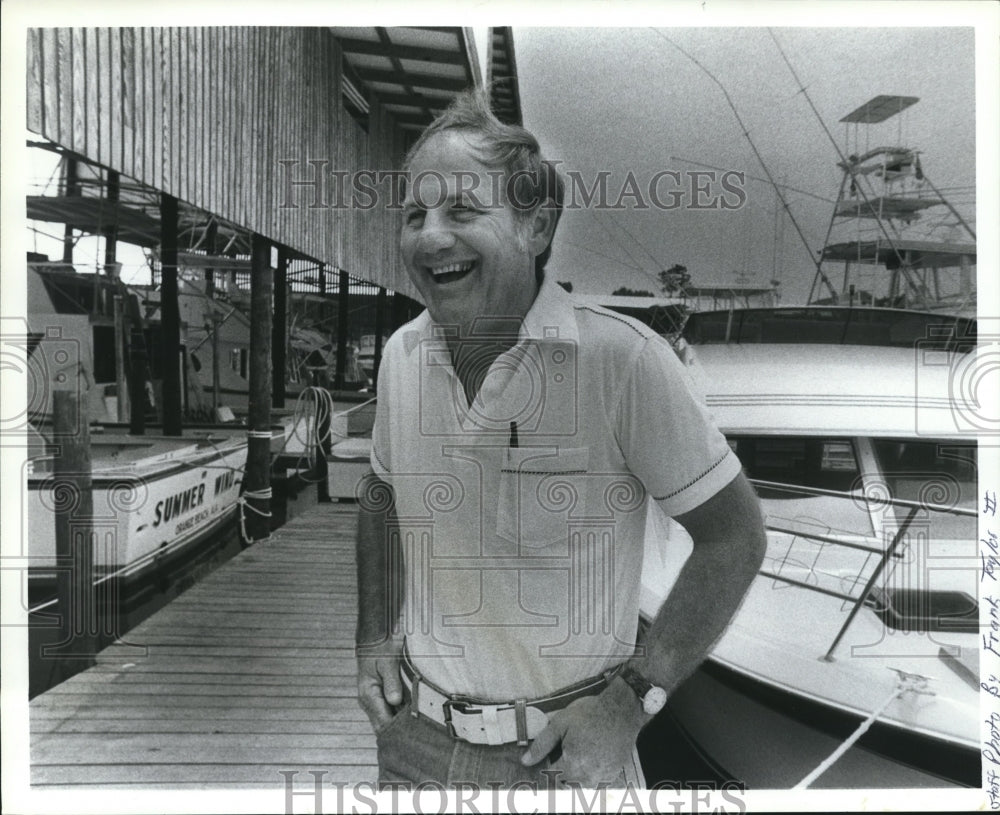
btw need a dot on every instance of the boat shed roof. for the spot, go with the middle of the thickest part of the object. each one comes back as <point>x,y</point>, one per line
<point>96,215</point>
<point>501,76</point>
<point>415,72</point>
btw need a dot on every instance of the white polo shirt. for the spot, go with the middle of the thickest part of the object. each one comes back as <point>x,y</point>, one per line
<point>523,556</point>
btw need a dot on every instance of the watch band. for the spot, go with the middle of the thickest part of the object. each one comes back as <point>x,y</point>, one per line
<point>636,681</point>
<point>653,697</point>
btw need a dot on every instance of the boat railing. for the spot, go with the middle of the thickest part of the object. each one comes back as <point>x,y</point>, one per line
<point>874,546</point>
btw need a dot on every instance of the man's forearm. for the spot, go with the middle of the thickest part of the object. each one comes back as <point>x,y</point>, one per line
<point>379,561</point>
<point>729,545</point>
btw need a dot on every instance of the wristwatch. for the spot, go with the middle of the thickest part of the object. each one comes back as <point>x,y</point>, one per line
<point>653,697</point>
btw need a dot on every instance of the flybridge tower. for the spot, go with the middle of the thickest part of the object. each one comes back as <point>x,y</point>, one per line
<point>893,240</point>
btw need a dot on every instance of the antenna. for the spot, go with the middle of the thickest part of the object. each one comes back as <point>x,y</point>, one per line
<point>760,159</point>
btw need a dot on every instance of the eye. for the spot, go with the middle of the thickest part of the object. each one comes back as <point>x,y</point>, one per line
<point>464,211</point>
<point>413,217</point>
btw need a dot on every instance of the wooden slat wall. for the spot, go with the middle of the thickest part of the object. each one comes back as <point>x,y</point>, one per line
<point>204,114</point>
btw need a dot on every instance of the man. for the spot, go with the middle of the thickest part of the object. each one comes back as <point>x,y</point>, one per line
<point>518,435</point>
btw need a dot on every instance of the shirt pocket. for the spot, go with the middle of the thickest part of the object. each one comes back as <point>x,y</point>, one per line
<point>540,490</point>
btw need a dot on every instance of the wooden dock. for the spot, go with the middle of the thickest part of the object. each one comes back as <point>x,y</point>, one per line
<point>248,673</point>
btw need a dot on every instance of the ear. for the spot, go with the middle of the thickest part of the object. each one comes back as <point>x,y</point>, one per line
<point>542,228</point>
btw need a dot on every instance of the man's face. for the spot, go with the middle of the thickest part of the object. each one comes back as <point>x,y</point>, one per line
<point>468,254</point>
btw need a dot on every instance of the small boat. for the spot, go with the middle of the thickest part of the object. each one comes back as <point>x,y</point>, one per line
<point>155,498</point>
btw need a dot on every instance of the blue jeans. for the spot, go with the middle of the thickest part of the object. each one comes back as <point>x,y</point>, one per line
<point>414,750</point>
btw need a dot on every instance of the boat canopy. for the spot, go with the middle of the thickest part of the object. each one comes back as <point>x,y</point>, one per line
<point>886,206</point>
<point>879,108</point>
<point>920,253</point>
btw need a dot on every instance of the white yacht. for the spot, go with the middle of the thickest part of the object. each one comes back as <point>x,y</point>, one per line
<point>858,433</point>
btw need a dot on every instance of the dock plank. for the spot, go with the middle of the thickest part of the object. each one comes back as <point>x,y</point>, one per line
<point>246,726</point>
<point>247,674</point>
<point>216,775</point>
<point>333,711</point>
<point>187,689</point>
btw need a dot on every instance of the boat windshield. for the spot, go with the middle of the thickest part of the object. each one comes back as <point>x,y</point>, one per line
<point>941,473</point>
<point>811,462</point>
<point>823,534</point>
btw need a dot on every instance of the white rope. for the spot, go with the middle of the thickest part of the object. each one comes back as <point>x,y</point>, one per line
<point>906,683</point>
<point>257,495</point>
<point>358,406</point>
<point>317,404</point>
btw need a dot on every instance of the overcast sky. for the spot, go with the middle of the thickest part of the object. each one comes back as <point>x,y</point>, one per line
<point>625,99</point>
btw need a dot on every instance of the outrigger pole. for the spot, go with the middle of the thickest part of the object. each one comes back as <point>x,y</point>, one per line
<point>760,159</point>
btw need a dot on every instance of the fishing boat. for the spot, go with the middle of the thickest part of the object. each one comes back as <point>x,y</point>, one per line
<point>894,238</point>
<point>865,606</point>
<point>155,500</point>
<point>165,508</point>
<point>155,496</point>
<point>853,661</point>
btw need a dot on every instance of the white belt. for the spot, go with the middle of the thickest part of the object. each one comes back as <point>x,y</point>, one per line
<point>476,722</point>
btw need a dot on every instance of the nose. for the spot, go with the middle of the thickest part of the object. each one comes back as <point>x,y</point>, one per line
<point>435,233</point>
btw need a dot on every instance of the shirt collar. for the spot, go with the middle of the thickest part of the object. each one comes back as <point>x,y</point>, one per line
<point>552,316</point>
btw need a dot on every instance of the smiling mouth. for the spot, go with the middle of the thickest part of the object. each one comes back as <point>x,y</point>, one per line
<point>451,273</point>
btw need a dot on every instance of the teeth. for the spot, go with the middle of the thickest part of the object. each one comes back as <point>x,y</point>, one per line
<point>451,269</point>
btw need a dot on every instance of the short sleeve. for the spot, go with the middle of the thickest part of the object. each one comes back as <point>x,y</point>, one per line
<point>667,436</point>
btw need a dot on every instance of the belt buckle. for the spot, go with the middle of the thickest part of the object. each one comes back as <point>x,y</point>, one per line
<point>446,706</point>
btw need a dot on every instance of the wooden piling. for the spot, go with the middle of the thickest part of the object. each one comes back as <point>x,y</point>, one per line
<point>170,319</point>
<point>322,460</point>
<point>112,269</point>
<point>343,315</point>
<point>72,187</point>
<point>138,366</point>
<point>121,385</point>
<point>279,329</point>
<point>380,305</point>
<point>74,512</point>
<point>111,230</point>
<point>211,239</point>
<point>257,480</point>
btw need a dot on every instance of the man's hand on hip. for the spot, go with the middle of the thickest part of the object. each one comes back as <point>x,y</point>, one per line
<point>379,685</point>
<point>597,734</point>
